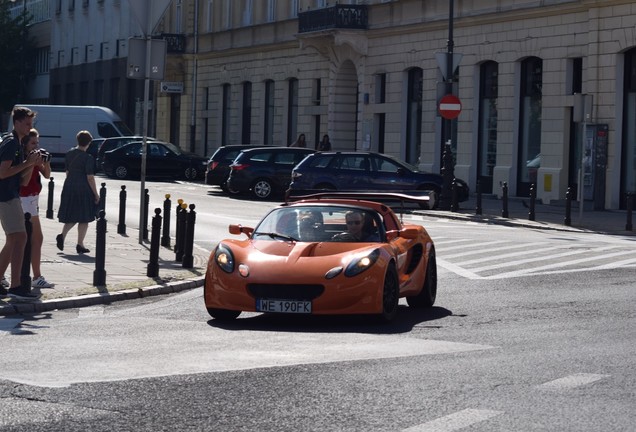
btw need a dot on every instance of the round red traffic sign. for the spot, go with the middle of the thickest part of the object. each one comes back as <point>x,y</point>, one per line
<point>450,106</point>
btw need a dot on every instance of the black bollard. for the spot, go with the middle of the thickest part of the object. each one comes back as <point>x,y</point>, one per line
<point>188,259</point>
<point>102,198</point>
<point>145,214</point>
<point>478,209</point>
<point>49,203</point>
<point>454,202</point>
<point>568,207</point>
<point>121,226</point>
<point>25,275</point>
<point>153,263</point>
<point>533,199</point>
<point>504,199</point>
<point>99,275</point>
<point>165,238</point>
<point>179,242</point>
<point>630,209</point>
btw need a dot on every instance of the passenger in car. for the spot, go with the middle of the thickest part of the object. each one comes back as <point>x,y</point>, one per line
<point>310,226</point>
<point>357,229</point>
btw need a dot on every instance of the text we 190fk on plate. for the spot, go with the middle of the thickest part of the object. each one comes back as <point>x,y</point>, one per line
<point>283,306</point>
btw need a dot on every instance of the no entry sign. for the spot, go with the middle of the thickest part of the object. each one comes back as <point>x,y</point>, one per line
<point>450,106</point>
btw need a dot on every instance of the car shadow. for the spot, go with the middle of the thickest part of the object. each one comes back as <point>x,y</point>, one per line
<point>406,319</point>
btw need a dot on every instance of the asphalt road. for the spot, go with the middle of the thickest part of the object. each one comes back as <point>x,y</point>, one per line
<point>532,331</point>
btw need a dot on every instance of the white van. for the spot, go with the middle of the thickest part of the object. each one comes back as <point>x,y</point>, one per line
<point>58,126</point>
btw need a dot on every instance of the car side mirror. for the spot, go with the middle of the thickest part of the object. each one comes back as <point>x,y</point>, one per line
<point>238,229</point>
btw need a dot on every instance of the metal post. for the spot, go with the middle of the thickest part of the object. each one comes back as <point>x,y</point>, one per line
<point>568,207</point>
<point>191,218</point>
<point>504,199</point>
<point>121,227</point>
<point>49,203</point>
<point>454,203</point>
<point>99,275</point>
<point>25,275</point>
<point>447,168</point>
<point>102,198</point>
<point>630,209</point>
<point>179,244</point>
<point>165,238</point>
<point>153,263</point>
<point>478,209</point>
<point>533,199</point>
<point>145,214</point>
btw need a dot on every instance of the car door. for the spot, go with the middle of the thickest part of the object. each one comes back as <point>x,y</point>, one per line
<point>283,163</point>
<point>387,174</point>
<point>352,172</point>
<point>161,161</point>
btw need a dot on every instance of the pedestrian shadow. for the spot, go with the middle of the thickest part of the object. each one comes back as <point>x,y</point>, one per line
<point>407,318</point>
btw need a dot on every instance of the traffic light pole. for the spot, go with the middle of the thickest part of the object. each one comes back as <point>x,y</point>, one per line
<point>448,173</point>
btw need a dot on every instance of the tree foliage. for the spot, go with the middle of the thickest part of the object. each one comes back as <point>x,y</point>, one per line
<point>16,52</point>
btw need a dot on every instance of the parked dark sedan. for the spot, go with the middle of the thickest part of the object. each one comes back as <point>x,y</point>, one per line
<point>218,168</point>
<point>364,171</point>
<point>162,160</point>
<point>112,143</point>
<point>264,171</point>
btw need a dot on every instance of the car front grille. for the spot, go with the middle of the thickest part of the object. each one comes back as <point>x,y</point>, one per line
<point>287,292</point>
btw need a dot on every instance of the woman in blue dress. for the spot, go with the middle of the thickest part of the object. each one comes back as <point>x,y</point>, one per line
<point>79,193</point>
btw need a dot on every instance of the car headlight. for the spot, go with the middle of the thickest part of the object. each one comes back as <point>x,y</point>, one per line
<point>224,258</point>
<point>361,263</point>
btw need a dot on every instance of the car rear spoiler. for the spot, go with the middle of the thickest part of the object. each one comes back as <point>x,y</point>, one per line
<point>421,197</point>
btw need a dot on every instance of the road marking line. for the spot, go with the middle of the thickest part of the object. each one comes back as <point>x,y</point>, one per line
<point>481,251</point>
<point>593,252</point>
<point>457,269</point>
<point>479,246</point>
<point>455,421</point>
<point>572,381</point>
<point>535,270</point>
<point>524,252</point>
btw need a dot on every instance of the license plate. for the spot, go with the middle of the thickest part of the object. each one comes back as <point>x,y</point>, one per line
<point>283,306</point>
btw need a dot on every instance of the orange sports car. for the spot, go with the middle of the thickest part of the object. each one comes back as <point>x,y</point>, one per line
<point>323,255</point>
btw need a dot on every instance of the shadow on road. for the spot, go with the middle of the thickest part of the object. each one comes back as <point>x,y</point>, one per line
<point>406,319</point>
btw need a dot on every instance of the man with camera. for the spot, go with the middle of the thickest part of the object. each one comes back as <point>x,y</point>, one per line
<point>30,197</point>
<point>13,168</point>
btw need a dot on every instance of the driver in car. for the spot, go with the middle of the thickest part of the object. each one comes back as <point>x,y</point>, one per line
<point>355,228</point>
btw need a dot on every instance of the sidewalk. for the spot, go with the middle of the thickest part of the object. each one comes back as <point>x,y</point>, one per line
<point>126,266</point>
<point>546,216</point>
<point>127,260</point>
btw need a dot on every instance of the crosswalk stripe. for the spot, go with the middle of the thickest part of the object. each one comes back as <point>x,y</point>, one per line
<point>481,251</point>
<point>457,269</point>
<point>572,381</point>
<point>526,271</point>
<point>487,258</point>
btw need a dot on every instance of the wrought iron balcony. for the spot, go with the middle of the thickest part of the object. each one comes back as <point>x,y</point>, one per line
<point>334,17</point>
<point>176,42</point>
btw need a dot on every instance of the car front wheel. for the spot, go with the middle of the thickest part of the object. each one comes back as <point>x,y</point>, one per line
<point>390,296</point>
<point>121,172</point>
<point>190,173</point>
<point>262,189</point>
<point>223,314</point>
<point>426,297</point>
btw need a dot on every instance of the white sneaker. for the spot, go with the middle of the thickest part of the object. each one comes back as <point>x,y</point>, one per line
<point>5,282</point>
<point>40,282</point>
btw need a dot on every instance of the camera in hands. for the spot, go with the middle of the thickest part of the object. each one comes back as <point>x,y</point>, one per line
<point>46,156</point>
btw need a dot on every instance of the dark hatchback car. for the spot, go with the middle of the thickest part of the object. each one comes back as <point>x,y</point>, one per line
<point>218,168</point>
<point>113,143</point>
<point>162,160</point>
<point>364,171</point>
<point>264,171</point>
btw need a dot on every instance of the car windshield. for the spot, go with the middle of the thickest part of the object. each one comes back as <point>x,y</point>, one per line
<point>321,223</point>
<point>404,164</point>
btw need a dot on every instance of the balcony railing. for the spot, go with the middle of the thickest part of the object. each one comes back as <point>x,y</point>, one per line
<point>176,42</point>
<point>334,17</point>
<point>38,9</point>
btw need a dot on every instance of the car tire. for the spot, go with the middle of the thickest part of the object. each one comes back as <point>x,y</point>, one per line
<point>390,295</point>
<point>262,189</point>
<point>223,314</point>
<point>121,172</point>
<point>190,173</point>
<point>227,190</point>
<point>426,297</point>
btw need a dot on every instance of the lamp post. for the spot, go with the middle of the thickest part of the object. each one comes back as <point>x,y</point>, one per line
<point>22,86</point>
<point>447,160</point>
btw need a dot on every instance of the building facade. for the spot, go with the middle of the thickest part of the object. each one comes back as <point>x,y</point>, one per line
<point>368,74</point>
